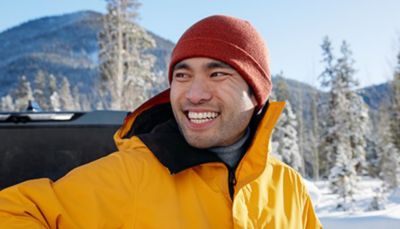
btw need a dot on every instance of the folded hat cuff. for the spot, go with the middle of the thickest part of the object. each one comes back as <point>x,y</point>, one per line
<point>251,71</point>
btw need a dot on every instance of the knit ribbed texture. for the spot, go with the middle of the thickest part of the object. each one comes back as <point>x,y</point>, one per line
<point>233,41</point>
<point>231,154</point>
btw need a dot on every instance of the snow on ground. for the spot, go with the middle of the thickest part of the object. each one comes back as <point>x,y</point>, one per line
<point>358,214</point>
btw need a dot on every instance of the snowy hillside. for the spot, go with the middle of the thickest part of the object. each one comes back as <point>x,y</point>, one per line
<point>359,215</point>
<point>64,45</point>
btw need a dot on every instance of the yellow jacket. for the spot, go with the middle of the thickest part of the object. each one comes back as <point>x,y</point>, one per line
<point>140,188</point>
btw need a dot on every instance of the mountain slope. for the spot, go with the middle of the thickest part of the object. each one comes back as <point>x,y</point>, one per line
<point>66,45</point>
<point>63,45</point>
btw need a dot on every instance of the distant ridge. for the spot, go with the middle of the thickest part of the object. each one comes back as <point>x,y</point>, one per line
<point>66,45</point>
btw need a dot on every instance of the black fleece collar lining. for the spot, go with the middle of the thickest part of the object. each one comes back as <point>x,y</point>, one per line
<point>172,150</point>
<point>159,131</point>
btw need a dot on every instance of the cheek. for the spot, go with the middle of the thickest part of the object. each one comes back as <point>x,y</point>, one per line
<point>173,97</point>
<point>174,104</point>
<point>176,94</point>
<point>174,91</point>
<point>238,98</point>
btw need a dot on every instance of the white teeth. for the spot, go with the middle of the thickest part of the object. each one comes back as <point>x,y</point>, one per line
<point>200,117</point>
<point>198,121</point>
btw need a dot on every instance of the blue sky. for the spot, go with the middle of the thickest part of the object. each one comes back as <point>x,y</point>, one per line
<point>292,29</point>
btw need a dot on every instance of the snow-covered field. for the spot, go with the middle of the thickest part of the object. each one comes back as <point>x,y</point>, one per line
<point>359,213</point>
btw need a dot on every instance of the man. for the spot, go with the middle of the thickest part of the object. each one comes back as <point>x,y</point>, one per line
<point>194,156</point>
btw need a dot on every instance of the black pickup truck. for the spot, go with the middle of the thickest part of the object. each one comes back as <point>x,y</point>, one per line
<point>49,144</point>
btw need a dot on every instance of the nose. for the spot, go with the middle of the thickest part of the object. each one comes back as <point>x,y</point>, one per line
<point>199,91</point>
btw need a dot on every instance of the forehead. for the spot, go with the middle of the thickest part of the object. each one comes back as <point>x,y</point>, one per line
<point>202,62</point>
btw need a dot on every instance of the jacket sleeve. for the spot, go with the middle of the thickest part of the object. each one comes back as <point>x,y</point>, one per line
<point>310,219</point>
<point>97,195</point>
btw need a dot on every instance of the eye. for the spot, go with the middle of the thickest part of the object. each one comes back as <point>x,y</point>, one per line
<point>180,76</point>
<point>219,74</point>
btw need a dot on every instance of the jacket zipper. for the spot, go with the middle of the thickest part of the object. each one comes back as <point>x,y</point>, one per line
<point>231,181</point>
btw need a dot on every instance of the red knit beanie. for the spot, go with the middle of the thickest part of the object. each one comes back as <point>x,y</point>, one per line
<point>233,41</point>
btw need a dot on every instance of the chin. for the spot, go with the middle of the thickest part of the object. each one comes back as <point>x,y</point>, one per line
<point>198,143</point>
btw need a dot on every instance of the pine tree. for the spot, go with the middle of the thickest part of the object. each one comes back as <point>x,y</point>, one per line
<point>66,100</point>
<point>389,134</point>
<point>40,92</point>
<point>52,84</point>
<point>282,90</point>
<point>285,138</point>
<point>345,129</point>
<point>77,98</point>
<point>285,145</point>
<point>22,94</point>
<point>330,134</point>
<point>55,101</point>
<point>389,155</point>
<point>51,92</point>
<point>314,136</point>
<point>357,111</point>
<point>343,178</point>
<point>395,106</point>
<point>7,103</point>
<point>125,70</point>
<point>300,130</point>
<point>359,130</point>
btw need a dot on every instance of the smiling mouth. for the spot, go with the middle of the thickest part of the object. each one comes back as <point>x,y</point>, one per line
<point>201,117</point>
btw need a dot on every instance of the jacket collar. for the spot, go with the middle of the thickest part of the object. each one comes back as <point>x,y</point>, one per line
<point>255,160</point>
<point>171,149</point>
<point>154,124</point>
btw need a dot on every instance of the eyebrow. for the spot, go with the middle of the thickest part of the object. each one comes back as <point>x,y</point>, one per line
<point>217,64</point>
<point>210,65</point>
<point>181,65</point>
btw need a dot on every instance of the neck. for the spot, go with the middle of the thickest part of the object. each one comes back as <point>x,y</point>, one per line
<point>232,154</point>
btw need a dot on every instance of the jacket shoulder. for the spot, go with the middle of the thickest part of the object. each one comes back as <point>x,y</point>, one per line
<point>278,164</point>
<point>136,152</point>
<point>289,182</point>
<point>282,173</point>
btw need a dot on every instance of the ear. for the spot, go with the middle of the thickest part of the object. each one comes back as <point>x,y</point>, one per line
<point>253,99</point>
<point>252,96</point>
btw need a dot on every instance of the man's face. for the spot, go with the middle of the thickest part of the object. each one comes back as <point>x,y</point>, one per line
<point>211,102</point>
